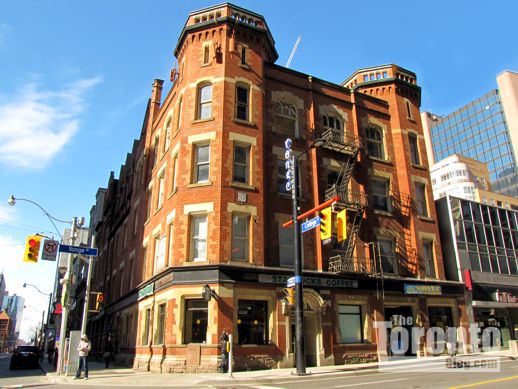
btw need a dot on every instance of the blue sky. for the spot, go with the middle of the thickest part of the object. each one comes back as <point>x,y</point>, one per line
<point>75,78</point>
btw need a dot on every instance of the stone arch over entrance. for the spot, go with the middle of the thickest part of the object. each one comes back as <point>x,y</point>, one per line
<point>315,306</point>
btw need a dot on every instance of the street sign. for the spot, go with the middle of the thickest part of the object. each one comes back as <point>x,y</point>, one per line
<point>310,224</point>
<point>63,248</point>
<point>291,282</point>
<point>50,250</point>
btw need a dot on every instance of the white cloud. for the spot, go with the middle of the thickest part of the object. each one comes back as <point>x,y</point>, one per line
<point>35,126</point>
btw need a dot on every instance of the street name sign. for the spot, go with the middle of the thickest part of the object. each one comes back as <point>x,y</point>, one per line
<point>63,248</point>
<point>310,224</point>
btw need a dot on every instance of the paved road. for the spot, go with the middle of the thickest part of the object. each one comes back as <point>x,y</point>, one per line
<point>423,374</point>
<point>18,377</point>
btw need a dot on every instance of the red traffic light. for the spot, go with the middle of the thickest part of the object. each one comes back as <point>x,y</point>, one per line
<point>33,243</point>
<point>100,297</point>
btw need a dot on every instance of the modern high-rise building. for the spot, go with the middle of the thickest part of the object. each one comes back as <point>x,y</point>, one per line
<point>485,129</point>
<point>480,246</point>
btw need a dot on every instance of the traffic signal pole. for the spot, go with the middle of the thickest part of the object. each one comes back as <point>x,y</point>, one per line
<point>87,292</point>
<point>65,307</point>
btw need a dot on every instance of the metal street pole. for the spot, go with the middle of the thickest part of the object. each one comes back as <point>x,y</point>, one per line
<point>300,350</point>
<point>65,308</point>
<point>87,290</point>
<point>47,329</point>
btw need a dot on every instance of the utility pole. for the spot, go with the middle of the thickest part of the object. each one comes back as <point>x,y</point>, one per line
<point>65,308</point>
<point>87,291</point>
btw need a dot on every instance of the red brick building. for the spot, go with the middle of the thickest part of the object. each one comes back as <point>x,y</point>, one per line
<point>201,201</point>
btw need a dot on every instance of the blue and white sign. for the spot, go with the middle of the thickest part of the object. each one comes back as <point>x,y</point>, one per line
<point>310,224</point>
<point>291,282</point>
<point>290,176</point>
<point>92,252</point>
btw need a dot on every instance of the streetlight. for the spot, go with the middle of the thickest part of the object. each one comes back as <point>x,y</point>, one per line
<point>300,349</point>
<point>45,342</point>
<point>76,222</point>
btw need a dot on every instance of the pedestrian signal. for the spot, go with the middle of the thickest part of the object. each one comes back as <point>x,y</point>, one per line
<point>290,295</point>
<point>326,228</point>
<point>32,248</point>
<point>99,301</point>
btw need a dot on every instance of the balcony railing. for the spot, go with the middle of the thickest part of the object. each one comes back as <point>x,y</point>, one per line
<point>340,141</point>
<point>358,265</point>
<point>348,199</point>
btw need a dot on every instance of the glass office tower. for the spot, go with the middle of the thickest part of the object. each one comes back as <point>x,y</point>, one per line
<point>479,131</point>
<point>485,129</point>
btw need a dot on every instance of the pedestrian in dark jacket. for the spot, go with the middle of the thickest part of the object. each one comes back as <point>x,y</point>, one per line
<point>224,346</point>
<point>108,350</point>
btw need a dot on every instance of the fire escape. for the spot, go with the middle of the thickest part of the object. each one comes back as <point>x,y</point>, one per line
<point>348,147</point>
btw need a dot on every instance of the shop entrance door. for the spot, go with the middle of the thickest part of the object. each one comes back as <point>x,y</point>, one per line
<point>400,317</point>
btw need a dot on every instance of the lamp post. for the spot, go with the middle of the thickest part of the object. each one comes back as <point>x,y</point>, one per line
<point>42,321</point>
<point>300,350</point>
<point>76,222</point>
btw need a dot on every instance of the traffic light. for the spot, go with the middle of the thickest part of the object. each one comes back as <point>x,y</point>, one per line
<point>341,226</point>
<point>290,295</point>
<point>326,225</point>
<point>32,248</point>
<point>99,301</point>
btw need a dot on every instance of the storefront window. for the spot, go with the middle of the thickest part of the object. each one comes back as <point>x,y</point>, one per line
<point>252,322</point>
<point>350,322</point>
<point>160,324</point>
<point>145,327</point>
<point>196,315</point>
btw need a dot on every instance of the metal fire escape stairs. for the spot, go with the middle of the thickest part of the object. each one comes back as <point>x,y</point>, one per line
<point>348,147</point>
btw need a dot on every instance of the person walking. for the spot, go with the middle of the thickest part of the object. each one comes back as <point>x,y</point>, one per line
<point>108,349</point>
<point>224,347</point>
<point>83,348</point>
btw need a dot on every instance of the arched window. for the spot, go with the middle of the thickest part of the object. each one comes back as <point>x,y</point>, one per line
<point>375,147</point>
<point>204,102</point>
<point>286,118</point>
<point>167,140</point>
<point>335,124</point>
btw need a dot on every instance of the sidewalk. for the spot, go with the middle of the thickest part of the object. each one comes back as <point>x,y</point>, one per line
<point>128,377</point>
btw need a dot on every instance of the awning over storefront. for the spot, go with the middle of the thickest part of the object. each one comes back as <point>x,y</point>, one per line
<point>493,304</point>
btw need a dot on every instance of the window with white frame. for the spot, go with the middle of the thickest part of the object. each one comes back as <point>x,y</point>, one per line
<point>408,109</point>
<point>199,229</point>
<point>161,190</point>
<point>375,146</point>
<point>146,321</point>
<point>206,55</point>
<point>201,162</point>
<point>380,188</point>
<point>286,118</point>
<point>160,325</point>
<point>242,102</point>
<point>149,202</point>
<point>174,181</point>
<point>429,258</point>
<point>170,231</point>
<point>204,101</point>
<point>167,136</point>
<point>350,323</point>
<point>179,122</point>
<point>420,194</point>
<point>154,154</point>
<point>387,255</point>
<point>241,163</point>
<point>159,260</point>
<point>414,149</point>
<point>240,236</point>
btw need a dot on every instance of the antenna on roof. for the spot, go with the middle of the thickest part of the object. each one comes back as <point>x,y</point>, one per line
<point>293,51</point>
